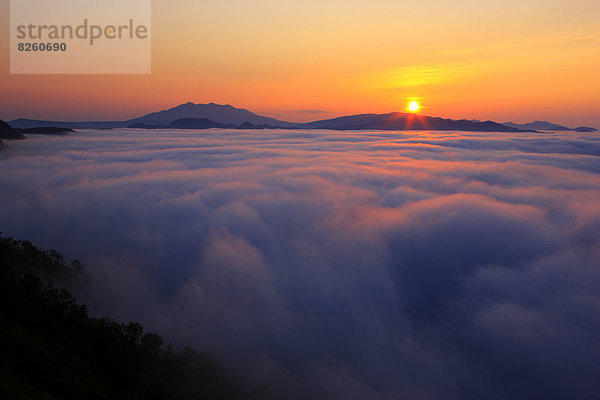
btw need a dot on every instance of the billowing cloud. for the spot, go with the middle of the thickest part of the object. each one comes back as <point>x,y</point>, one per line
<point>352,265</point>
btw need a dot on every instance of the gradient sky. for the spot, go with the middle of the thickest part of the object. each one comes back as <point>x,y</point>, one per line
<point>518,60</point>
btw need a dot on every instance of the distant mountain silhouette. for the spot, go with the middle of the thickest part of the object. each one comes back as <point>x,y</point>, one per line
<point>23,123</point>
<point>205,116</point>
<point>393,121</point>
<point>46,130</point>
<point>8,132</point>
<point>538,125</point>
<point>547,126</point>
<point>585,129</point>
<point>405,121</point>
<point>223,114</point>
<point>203,123</point>
<point>186,123</point>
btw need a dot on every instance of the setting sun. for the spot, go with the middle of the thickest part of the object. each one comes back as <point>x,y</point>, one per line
<point>413,106</point>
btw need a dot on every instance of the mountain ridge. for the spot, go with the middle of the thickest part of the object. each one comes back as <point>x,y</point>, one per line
<point>547,126</point>
<point>227,116</point>
<point>224,114</point>
<point>8,132</point>
<point>406,121</point>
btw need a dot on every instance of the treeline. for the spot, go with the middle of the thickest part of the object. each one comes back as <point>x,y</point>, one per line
<point>50,348</point>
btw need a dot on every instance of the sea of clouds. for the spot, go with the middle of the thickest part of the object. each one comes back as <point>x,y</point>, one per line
<point>335,265</point>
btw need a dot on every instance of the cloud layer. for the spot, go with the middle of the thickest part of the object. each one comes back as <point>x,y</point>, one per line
<point>336,265</point>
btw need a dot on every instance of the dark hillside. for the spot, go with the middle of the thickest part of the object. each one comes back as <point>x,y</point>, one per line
<point>52,349</point>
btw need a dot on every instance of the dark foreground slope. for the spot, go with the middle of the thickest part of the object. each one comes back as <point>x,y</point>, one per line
<point>52,349</point>
<point>8,132</point>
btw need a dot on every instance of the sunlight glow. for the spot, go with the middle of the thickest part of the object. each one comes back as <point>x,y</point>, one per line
<point>413,106</point>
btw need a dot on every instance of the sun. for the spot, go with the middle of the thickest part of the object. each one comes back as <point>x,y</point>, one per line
<point>413,106</point>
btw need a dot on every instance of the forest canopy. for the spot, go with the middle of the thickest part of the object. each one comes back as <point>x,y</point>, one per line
<point>52,349</point>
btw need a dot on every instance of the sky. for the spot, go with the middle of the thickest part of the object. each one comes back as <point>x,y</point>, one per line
<point>335,265</point>
<point>305,60</point>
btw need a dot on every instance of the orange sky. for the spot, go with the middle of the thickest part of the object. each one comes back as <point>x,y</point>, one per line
<point>304,60</point>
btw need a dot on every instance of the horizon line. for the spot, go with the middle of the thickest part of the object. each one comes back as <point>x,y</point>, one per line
<point>269,116</point>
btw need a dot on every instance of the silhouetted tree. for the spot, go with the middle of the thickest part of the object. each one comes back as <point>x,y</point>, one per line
<point>51,349</point>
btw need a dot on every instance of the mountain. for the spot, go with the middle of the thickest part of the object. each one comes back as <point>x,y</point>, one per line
<point>202,123</point>
<point>8,132</point>
<point>223,114</point>
<point>186,123</point>
<point>586,129</point>
<point>46,130</point>
<point>23,123</point>
<point>547,126</point>
<point>393,121</point>
<point>204,116</point>
<point>538,126</point>
<point>405,121</point>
